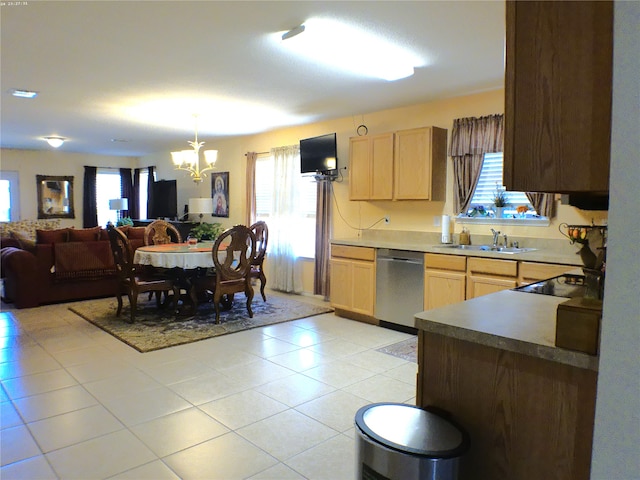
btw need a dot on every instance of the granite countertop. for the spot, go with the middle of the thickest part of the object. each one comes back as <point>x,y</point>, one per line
<point>514,321</point>
<point>542,254</point>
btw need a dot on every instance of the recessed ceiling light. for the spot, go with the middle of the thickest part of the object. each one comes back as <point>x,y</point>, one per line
<point>16,92</point>
<point>119,140</point>
<point>55,142</point>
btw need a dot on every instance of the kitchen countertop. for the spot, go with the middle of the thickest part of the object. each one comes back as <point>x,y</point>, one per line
<point>542,254</point>
<point>514,321</point>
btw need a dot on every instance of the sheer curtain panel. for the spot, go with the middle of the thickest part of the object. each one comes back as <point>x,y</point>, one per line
<point>286,219</point>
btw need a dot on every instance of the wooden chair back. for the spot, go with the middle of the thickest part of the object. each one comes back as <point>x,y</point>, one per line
<point>232,252</point>
<point>261,233</point>
<point>160,232</point>
<point>132,282</point>
<point>122,252</point>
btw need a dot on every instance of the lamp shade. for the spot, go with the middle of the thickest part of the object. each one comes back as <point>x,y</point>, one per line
<point>119,204</point>
<point>200,205</point>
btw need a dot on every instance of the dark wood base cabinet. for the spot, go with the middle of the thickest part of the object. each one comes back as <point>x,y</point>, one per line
<point>528,418</point>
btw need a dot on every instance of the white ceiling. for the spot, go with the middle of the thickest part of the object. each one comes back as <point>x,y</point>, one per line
<point>136,71</point>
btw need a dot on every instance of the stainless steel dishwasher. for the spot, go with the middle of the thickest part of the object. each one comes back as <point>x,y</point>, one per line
<point>399,286</point>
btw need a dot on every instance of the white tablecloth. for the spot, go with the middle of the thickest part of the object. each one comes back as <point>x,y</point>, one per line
<point>174,255</point>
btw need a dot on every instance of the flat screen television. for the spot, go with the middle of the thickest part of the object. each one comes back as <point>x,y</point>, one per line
<point>319,154</point>
<point>165,200</point>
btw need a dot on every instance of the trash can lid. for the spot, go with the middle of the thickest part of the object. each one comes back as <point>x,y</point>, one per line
<point>410,429</point>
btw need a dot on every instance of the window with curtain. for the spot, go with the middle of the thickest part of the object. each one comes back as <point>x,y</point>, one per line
<point>143,191</point>
<point>305,191</point>
<point>490,182</point>
<point>108,186</point>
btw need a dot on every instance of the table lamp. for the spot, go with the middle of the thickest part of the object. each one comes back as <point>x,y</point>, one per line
<point>119,204</point>
<point>201,206</point>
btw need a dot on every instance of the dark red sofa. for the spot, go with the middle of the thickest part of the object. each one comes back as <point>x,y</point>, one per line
<point>64,264</point>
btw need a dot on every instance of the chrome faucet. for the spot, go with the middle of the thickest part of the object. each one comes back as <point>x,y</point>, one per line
<point>496,234</point>
<point>506,240</point>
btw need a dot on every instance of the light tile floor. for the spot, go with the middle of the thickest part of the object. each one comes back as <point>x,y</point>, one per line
<point>271,403</point>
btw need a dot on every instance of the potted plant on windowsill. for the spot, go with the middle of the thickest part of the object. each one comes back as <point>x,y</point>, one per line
<point>500,201</point>
<point>206,231</point>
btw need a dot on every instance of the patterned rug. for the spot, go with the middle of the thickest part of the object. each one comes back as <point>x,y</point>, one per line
<point>406,349</point>
<point>155,328</point>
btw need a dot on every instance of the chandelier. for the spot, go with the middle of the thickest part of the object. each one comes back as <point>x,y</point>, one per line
<point>189,160</point>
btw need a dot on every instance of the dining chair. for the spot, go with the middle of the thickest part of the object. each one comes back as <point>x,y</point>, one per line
<point>133,280</point>
<point>261,233</point>
<point>232,254</point>
<point>161,232</point>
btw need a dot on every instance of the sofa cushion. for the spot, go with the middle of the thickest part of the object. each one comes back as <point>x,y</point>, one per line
<point>52,236</point>
<point>84,234</point>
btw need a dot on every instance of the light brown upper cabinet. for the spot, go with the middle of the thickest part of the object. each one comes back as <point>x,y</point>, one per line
<point>371,167</point>
<point>420,164</point>
<point>558,96</point>
<point>402,165</point>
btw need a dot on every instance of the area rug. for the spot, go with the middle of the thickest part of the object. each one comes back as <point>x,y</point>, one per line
<point>406,349</point>
<point>155,328</point>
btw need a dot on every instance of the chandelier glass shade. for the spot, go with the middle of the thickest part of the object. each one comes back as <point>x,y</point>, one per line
<point>189,160</point>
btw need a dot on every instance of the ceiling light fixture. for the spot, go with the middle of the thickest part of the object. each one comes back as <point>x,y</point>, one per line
<point>17,92</point>
<point>350,48</point>
<point>55,142</point>
<point>189,160</point>
<point>293,32</point>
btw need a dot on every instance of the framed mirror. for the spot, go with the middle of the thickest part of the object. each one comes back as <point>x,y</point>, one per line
<point>55,197</point>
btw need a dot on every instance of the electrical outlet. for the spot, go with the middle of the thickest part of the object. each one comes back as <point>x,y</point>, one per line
<point>436,221</point>
<point>387,219</point>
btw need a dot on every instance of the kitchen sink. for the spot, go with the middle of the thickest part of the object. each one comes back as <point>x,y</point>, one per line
<point>489,248</point>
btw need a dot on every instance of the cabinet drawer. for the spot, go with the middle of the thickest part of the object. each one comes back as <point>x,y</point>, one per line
<point>437,261</point>
<point>358,253</point>
<point>541,271</point>
<point>505,268</point>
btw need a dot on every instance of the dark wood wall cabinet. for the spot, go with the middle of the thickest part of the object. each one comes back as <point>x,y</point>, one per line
<point>558,96</point>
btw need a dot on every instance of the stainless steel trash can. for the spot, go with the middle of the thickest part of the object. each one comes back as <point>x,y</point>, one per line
<point>396,441</point>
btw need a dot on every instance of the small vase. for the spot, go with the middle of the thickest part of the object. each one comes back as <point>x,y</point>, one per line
<point>587,256</point>
<point>499,212</point>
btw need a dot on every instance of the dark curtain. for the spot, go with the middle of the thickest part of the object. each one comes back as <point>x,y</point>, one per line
<point>150,205</point>
<point>544,203</point>
<point>126,187</point>
<point>134,207</point>
<point>471,138</point>
<point>323,234</point>
<point>89,206</point>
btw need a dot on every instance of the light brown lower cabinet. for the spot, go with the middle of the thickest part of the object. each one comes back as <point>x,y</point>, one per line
<point>488,275</point>
<point>445,280</point>
<point>528,418</point>
<point>353,282</point>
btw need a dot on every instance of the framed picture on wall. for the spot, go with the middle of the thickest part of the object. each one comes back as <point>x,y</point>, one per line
<point>220,194</point>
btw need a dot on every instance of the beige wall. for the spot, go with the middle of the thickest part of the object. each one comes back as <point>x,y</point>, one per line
<point>352,215</point>
<point>29,163</point>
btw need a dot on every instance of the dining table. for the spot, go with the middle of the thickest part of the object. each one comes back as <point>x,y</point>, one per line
<point>182,261</point>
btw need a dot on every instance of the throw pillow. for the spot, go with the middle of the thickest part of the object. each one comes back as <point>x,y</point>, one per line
<point>135,233</point>
<point>52,236</point>
<point>84,234</point>
<point>25,242</point>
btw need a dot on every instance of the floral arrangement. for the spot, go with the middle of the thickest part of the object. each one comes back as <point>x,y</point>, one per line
<point>124,221</point>
<point>206,231</point>
<point>500,197</point>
